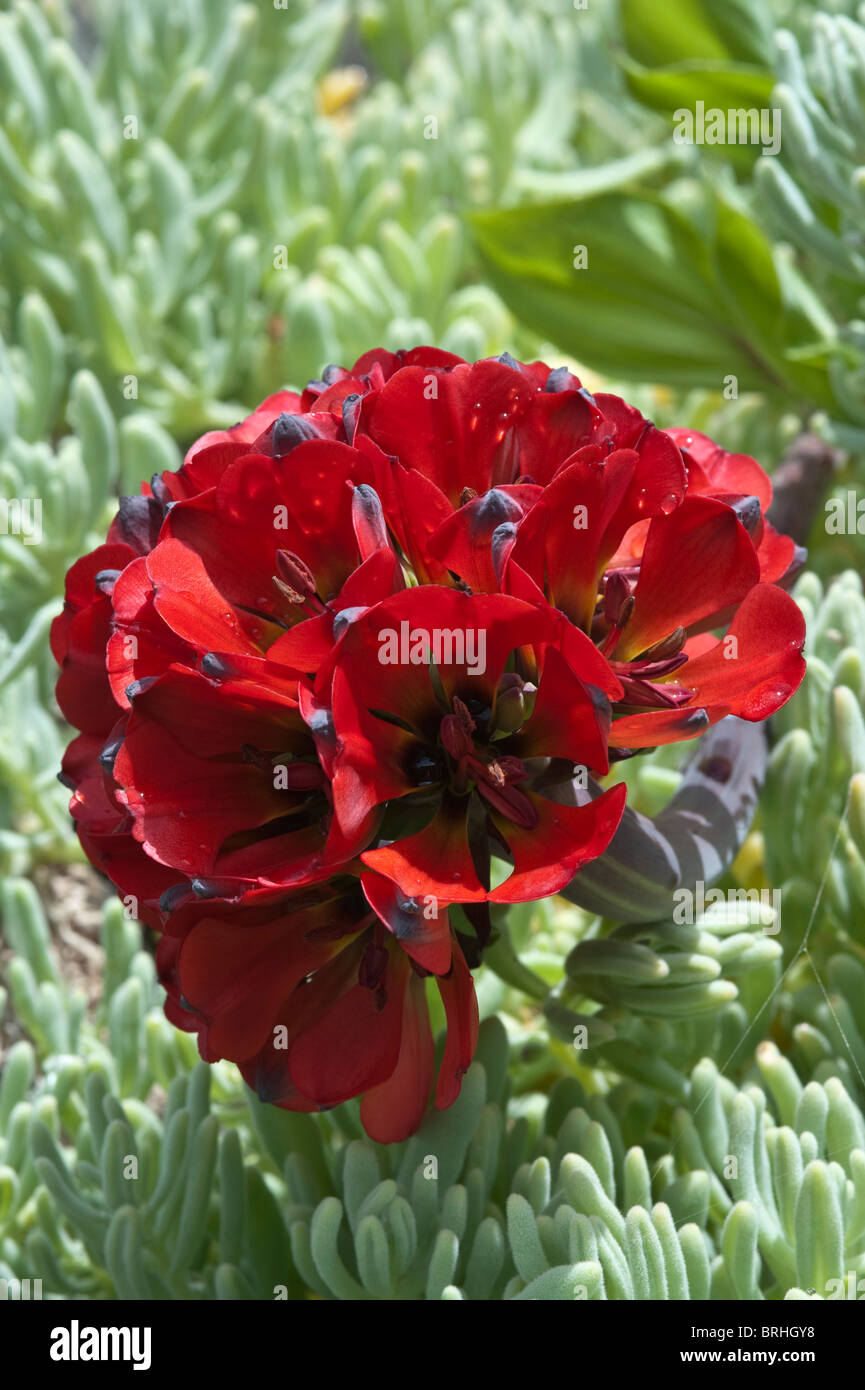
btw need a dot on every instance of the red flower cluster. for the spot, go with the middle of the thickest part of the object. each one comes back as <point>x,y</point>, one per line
<point>337,660</point>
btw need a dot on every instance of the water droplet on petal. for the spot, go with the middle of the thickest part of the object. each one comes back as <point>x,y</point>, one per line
<point>767,698</point>
<point>669,503</point>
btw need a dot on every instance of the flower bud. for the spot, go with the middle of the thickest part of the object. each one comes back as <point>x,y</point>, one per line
<point>514,702</point>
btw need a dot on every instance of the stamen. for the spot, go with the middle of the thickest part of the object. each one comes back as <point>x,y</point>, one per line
<point>668,646</point>
<point>296,582</point>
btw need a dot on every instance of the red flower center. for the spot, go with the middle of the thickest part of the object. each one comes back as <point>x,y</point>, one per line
<point>494,778</point>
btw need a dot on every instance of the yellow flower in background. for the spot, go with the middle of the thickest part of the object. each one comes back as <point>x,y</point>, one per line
<point>340,88</point>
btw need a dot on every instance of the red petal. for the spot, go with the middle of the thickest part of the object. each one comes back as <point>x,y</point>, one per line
<point>269,1072</point>
<point>79,637</point>
<point>736,473</point>
<point>419,507</point>
<point>452,427</point>
<point>461,1006</point>
<point>565,838</point>
<point>356,1044</point>
<point>308,644</point>
<point>462,544</point>
<point>186,793</point>
<point>281,402</point>
<point>373,756</point>
<point>566,722</point>
<point>436,861</point>
<point>423,932</point>
<point>293,860</point>
<point>392,1111</point>
<point>551,547</point>
<point>775,553</point>
<point>216,721</point>
<point>664,725</point>
<point>190,605</point>
<point>239,973</point>
<point>83,692</point>
<point>578,650</point>
<point>141,644</point>
<point>204,466</point>
<point>558,424</point>
<point>301,504</point>
<point>766,665</point>
<point>81,591</point>
<point>696,562</point>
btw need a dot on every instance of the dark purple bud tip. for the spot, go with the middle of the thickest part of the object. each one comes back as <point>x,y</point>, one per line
<point>618,755</point>
<point>209,888</point>
<point>747,509</point>
<point>500,546</point>
<point>136,688</point>
<point>106,579</point>
<point>159,489</point>
<point>273,1084</point>
<point>368,518</point>
<point>219,667</point>
<point>138,522</point>
<point>109,753</point>
<point>350,412</point>
<point>289,431</point>
<point>558,380</point>
<point>493,509</point>
<point>344,620</point>
<point>172,897</point>
<point>696,719</point>
<point>800,555</point>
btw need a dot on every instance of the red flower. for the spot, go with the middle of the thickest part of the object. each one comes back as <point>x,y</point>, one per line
<point>486,689</point>
<point>295,817</point>
<point>318,1002</point>
<point>647,540</point>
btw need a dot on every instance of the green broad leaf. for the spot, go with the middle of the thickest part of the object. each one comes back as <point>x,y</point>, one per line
<point>676,288</point>
<point>681,31</point>
<point>728,86</point>
<point>716,52</point>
